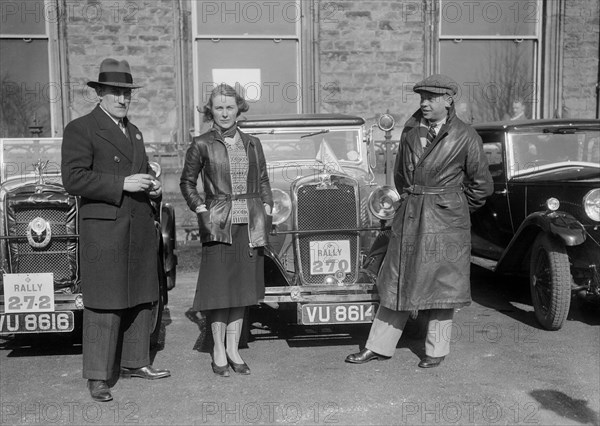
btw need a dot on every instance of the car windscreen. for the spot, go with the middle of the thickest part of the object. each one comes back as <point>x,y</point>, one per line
<point>312,144</point>
<point>530,152</point>
<point>25,157</point>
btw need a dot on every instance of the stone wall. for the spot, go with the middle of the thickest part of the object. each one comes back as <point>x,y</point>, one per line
<point>368,50</point>
<point>581,56</point>
<point>143,32</point>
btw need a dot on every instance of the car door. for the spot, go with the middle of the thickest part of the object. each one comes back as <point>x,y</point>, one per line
<point>492,226</point>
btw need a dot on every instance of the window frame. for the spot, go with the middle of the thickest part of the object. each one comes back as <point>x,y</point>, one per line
<point>545,54</point>
<point>305,74</point>
<point>56,68</point>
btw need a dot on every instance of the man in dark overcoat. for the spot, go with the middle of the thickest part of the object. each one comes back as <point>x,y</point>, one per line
<point>105,163</point>
<point>442,175</point>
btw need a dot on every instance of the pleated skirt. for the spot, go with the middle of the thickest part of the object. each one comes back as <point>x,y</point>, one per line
<point>231,275</point>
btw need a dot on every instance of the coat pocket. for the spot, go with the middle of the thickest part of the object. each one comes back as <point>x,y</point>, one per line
<point>452,209</point>
<point>204,222</point>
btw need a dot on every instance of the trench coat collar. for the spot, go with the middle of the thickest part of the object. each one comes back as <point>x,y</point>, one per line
<point>109,131</point>
<point>414,141</point>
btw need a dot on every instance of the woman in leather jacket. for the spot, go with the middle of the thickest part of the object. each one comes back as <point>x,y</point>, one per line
<point>233,201</point>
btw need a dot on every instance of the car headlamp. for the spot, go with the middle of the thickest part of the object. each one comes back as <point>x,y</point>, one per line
<point>552,204</point>
<point>382,202</point>
<point>591,204</point>
<point>282,206</point>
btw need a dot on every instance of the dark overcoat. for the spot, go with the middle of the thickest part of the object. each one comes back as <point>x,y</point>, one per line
<point>118,237</point>
<point>428,259</point>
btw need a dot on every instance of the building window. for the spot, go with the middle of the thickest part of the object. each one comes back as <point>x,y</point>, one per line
<point>28,53</point>
<point>257,47</point>
<point>492,48</point>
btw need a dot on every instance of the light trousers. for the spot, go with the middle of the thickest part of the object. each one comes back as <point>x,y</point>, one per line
<point>388,326</point>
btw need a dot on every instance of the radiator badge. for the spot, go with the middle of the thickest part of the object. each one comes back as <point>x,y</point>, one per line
<point>326,183</point>
<point>39,233</point>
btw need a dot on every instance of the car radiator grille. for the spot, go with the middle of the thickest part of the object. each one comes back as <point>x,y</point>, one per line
<point>327,209</point>
<point>59,256</point>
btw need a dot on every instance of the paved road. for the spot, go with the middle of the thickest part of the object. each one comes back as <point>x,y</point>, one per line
<point>502,370</point>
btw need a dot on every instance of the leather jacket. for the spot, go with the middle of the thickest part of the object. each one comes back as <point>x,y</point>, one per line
<point>207,157</point>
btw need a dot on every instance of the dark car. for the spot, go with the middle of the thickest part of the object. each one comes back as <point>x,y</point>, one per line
<point>39,249</point>
<point>543,218</point>
<point>328,209</point>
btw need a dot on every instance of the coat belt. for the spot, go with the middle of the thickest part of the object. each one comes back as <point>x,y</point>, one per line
<point>429,190</point>
<point>230,197</point>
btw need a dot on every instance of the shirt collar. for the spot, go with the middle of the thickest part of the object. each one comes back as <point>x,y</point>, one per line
<point>438,124</point>
<point>111,117</point>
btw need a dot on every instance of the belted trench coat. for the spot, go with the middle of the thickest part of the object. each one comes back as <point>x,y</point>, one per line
<point>207,157</point>
<point>118,243</point>
<point>428,259</point>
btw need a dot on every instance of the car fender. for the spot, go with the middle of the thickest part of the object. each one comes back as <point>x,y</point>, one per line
<point>275,273</point>
<point>167,223</point>
<point>558,224</point>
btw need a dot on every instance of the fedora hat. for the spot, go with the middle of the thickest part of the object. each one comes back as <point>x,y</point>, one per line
<point>114,73</point>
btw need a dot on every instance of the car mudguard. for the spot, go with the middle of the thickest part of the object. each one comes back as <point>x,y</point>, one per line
<point>169,238</point>
<point>556,223</point>
<point>275,273</point>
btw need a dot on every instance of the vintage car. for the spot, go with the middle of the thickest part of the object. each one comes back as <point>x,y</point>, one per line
<point>543,219</point>
<point>328,209</point>
<point>39,249</point>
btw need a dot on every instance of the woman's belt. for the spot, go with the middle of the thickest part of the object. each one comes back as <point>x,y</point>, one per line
<point>230,197</point>
<point>430,190</point>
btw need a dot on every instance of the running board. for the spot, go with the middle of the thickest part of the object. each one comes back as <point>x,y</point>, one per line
<point>484,263</point>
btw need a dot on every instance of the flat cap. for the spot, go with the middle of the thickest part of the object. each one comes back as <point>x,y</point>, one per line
<point>437,83</point>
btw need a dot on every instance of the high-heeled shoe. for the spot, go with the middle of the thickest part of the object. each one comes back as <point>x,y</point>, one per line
<point>220,371</point>
<point>239,368</point>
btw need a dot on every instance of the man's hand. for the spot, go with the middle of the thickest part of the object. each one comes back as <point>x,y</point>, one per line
<point>156,189</point>
<point>139,183</point>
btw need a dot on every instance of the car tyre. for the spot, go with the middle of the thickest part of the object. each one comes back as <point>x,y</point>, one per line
<point>550,281</point>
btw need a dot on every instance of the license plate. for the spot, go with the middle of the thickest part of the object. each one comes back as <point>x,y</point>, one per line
<point>337,313</point>
<point>38,322</point>
<point>25,293</point>
<point>329,257</point>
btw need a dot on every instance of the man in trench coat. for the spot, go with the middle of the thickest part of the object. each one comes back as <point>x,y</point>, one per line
<point>442,173</point>
<point>105,163</point>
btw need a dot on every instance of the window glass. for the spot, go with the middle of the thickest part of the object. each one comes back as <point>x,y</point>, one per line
<point>247,18</point>
<point>492,75</point>
<point>266,71</point>
<point>488,18</point>
<point>23,17</point>
<point>25,93</point>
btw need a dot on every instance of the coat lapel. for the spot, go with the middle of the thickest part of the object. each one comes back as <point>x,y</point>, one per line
<point>110,132</point>
<point>137,142</point>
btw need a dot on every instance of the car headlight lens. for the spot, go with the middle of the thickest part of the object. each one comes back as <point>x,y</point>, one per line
<point>382,202</point>
<point>552,204</point>
<point>282,206</point>
<point>156,168</point>
<point>591,204</point>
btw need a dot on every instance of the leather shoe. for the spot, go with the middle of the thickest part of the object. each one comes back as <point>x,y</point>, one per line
<point>239,368</point>
<point>99,390</point>
<point>147,372</point>
<point>431,361</point>
<point>365,355</point>
<point>220,371</point>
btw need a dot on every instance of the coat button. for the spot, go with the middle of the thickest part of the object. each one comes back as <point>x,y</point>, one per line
<point>117,159</point>
<point>411,167</point>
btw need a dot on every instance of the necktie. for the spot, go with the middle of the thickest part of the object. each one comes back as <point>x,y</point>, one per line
<point>430,134</point>
<point>123,128</point>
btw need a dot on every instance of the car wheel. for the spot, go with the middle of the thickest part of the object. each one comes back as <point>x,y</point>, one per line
<point>550,281</point>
